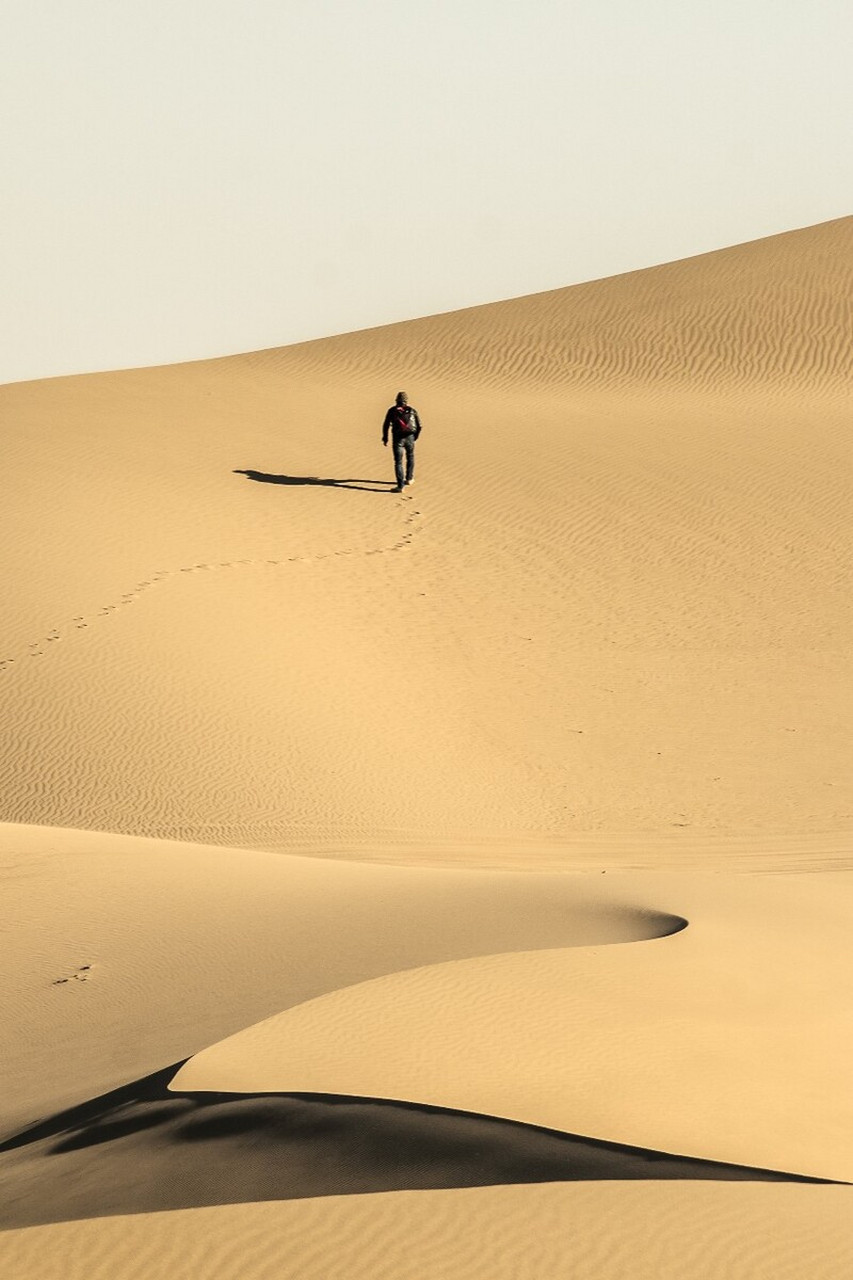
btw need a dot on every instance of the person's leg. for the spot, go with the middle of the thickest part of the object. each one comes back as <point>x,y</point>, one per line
<point>397,446</point>
<point>410,459</point>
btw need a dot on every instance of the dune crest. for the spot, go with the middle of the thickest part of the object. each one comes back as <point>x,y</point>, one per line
<point>673,1044</point>
<point>762,315</point>
<point>113,968</point>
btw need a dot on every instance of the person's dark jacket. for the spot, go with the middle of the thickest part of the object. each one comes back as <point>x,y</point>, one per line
<point>394,423</point>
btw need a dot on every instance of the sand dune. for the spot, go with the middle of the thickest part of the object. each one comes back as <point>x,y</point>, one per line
<point>142,1149</point>
<point>763,315</point>
<point>672,1063</point>
<point>743,1016</point>
<point>615,606</point>
<point>125,954</point>
<point>281,752</point>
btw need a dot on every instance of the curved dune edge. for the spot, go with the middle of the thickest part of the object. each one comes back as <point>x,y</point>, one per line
<point>144,1149</point>
<point>122,953</point>
<point>616,1231</point>
<point>727,1041</point>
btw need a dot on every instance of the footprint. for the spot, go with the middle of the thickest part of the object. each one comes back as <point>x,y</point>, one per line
<point>82,974</point>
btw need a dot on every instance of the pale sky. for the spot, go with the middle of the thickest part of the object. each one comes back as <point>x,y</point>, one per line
<point>201,177</point>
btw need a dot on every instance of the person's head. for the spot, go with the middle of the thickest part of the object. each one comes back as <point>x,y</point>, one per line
<point>401,398</point>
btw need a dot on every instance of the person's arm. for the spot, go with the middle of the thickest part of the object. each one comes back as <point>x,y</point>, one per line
<point>386,426</point>
<point>418,427</point>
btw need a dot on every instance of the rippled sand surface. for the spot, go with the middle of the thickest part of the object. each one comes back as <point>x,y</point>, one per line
<point>456,882</point>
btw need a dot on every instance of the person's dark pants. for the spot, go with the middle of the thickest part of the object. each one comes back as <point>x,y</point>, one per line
<point>404,446</point>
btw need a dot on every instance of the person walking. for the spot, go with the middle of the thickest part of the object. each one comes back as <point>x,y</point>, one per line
<point>404,426</point>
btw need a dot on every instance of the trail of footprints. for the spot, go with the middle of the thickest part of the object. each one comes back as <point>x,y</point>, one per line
<point>38,648</point>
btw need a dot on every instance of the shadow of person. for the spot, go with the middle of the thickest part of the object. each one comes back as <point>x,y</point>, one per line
<point>365,486</point>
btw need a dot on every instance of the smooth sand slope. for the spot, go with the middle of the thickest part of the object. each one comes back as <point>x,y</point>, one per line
<point>622,1231</point>
<point>312,999</point>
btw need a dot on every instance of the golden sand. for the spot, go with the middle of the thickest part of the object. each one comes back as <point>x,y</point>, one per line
<point>411,795</point>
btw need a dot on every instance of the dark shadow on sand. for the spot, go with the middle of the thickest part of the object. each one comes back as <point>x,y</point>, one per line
<point>364,486</point>
<point>141,1149</point>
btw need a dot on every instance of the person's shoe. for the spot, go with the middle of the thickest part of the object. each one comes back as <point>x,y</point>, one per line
<point>398,488</point>
<point>408,482</point>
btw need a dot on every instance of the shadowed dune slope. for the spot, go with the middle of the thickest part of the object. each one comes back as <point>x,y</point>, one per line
<point>615,602</point>
<point>386,982</point>
<point>144,1149</point>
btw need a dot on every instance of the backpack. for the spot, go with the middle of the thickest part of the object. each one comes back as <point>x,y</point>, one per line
<point>403,420</point>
